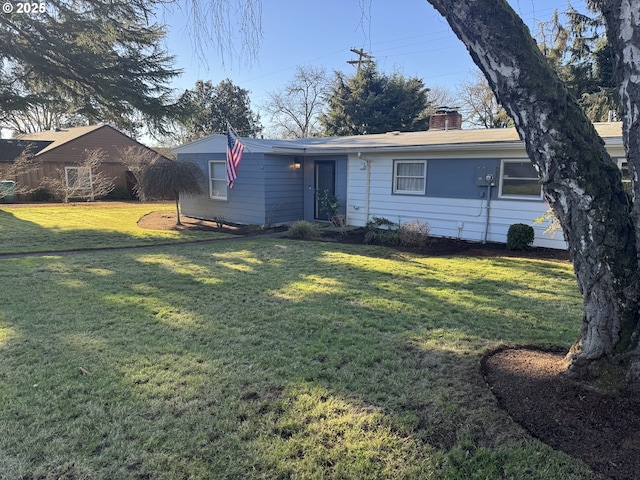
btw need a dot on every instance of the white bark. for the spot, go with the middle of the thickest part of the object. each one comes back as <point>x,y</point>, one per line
<point>579,179</point>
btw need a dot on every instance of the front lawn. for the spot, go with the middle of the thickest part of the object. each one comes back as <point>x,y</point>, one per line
<point>271,359</point>
<point>50,228</point>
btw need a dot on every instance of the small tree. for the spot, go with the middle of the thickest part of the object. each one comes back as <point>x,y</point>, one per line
<point>480,106</point>
<point>84,180</point>
<point>166,179</point>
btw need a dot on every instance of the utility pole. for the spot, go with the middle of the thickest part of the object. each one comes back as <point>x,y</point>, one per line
<point>363,57</point>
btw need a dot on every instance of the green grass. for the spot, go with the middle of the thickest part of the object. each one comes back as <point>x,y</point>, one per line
<point>271,359</point>
<point>84,226</point>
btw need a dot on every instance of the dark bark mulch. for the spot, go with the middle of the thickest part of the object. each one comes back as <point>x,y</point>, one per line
<point>601,430</point>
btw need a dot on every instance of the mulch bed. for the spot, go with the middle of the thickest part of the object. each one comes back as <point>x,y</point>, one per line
<point>602,431</point>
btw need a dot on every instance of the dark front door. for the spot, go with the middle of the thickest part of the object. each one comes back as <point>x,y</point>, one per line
<point>325,178</point>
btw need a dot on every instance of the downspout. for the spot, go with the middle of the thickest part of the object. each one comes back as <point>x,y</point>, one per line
<point>366,211</point>
<point>368,187</point>
<point>486,223</point>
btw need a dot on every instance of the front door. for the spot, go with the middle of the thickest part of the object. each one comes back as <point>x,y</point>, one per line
<point>325,180</point>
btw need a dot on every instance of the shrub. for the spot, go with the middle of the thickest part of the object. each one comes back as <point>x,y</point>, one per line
<point>520,236</point>
<point>42,195</point>
<point>414,234</point>
<point>381,231</point>
<point>249,230</point>
<point>119,193</point>
<point>329,203</point>
<point>303,230</point>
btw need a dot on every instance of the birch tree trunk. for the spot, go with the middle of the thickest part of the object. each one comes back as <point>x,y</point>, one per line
<point>580,181</point>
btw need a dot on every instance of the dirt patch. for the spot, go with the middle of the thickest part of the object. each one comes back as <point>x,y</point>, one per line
<point>602,431</point>
<point>167,220</point>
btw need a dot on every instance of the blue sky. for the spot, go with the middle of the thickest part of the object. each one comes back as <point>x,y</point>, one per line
<point>404,35</point>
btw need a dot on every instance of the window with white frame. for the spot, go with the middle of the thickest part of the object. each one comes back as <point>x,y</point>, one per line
<point>409,176</point>
<point>218,180</point>
<point>519,179</point>
<point>78,178</point>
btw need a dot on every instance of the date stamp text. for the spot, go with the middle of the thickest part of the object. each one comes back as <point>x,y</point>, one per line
<point>24,8</point>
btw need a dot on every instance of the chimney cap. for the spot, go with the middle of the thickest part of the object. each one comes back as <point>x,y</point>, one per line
<point>446,109</point>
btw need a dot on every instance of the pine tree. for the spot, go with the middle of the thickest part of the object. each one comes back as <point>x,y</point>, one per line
<point>370,102</point>
<point>99,56</point>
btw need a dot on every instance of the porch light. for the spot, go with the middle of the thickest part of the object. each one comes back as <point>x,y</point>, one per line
<point>297,164</point>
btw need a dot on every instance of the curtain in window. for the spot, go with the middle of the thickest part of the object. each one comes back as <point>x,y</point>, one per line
<point>410,176</point>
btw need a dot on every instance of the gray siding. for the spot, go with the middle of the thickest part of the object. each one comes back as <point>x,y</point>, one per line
<point>283,190</point>
<point>456,178</point>
<point>245,202</point>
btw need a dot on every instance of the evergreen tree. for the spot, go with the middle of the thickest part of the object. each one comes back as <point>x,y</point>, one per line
<point>207,109</point>
<point>370,102</point>
<point>99,56</point>
<point>581,55</point>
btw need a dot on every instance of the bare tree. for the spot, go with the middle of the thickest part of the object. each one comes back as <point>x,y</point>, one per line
<point>479,106</point>
<point>18,170</point>
<point>39,116</point>
<point>223,23</point>
<point>86,180</point>
<point>439,97</point>
<point>296,109</point>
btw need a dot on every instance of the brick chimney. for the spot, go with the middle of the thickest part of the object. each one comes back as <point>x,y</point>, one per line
<point>445,118</point>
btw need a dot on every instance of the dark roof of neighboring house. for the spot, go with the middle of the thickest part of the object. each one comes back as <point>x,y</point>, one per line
<point>12,148</point>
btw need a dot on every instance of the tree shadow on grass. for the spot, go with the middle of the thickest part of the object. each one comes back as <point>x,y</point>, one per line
<point>21,236</point>
<point>260,356</point>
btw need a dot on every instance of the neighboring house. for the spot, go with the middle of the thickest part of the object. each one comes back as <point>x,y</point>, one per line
<point>61,152</point>
<point>467,184</point>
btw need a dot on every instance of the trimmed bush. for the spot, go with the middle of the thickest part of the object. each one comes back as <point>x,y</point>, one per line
<point>43,195</point>
<point>303,230</point>
<point>381,231</point>
<point>414,234</point>
<point>520,236</point>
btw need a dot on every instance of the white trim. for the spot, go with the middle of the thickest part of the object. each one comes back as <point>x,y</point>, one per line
<point>223,179</point>
<point>511,196</point>
<point>78,190</point>
<point>396,191</point>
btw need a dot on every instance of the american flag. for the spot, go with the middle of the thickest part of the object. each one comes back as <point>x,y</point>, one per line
<point>235,149</point>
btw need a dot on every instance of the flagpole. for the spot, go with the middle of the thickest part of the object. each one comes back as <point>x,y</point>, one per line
<point>253,155</point>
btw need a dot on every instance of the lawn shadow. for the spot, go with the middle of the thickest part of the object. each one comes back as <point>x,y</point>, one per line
<point>19,236</point>
<point>286,354</point>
